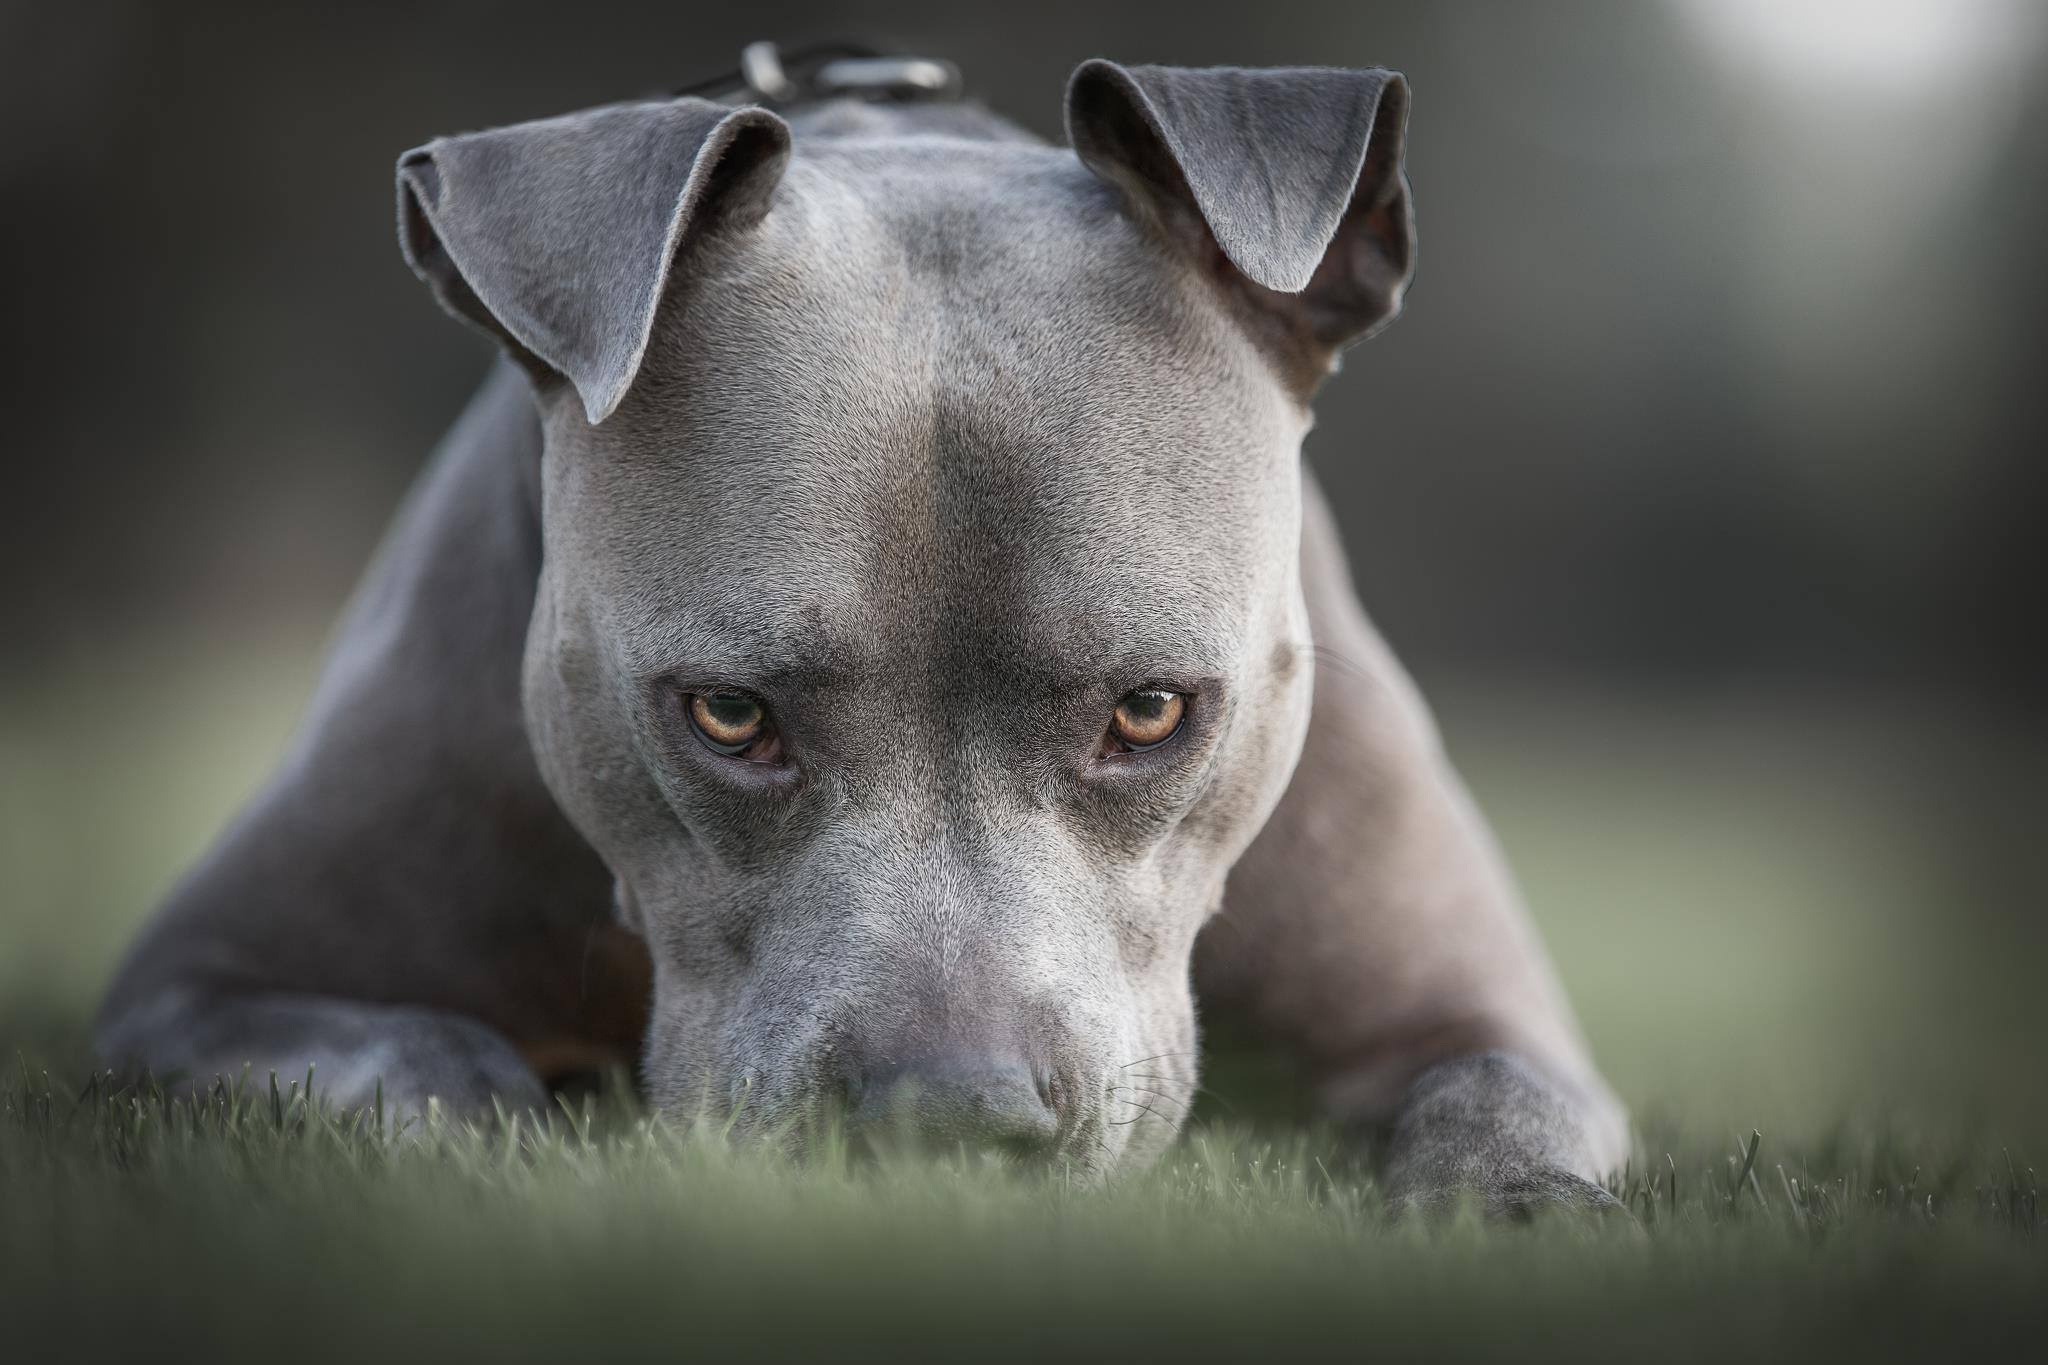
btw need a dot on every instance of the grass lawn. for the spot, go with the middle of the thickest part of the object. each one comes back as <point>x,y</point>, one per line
<point>252,1226</point>
<point>1769,921</point>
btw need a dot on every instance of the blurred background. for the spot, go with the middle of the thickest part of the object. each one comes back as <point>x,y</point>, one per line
<point>1699,485</point>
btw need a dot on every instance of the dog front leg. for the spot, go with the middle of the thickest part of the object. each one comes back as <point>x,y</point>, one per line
<point>1372,931</point>
<point>1493,1127</point>
<point>355,1051</point>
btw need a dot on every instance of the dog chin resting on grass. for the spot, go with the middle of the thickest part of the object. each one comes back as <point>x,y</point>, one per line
<point>873,650</point>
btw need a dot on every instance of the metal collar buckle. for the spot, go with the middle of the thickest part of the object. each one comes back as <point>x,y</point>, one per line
<point>838,71</point>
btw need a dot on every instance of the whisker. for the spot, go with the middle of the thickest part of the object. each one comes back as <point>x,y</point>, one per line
<point>1157,1056</point>
<point>1192,1086</point>
<point>1325,655</point>
<point>1139,1118</point>
<point>1170,1099</point>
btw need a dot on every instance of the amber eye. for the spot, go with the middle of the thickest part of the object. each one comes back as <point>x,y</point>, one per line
<point>734,724</point>
<point>1146,719</point>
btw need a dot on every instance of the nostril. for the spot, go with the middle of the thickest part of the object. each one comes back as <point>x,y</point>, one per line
<point>1042,1081</point>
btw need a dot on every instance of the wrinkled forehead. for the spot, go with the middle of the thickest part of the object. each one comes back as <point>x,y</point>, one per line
<point>949,377</point>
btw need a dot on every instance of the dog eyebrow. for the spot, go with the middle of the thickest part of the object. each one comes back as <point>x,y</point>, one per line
<point>809,646</point>
<point>776,651</point>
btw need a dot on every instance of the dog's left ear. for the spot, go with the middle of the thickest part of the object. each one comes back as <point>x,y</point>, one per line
<point>1286,180</point>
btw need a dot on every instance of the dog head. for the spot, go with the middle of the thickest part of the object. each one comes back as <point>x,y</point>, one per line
<point>920,637</point>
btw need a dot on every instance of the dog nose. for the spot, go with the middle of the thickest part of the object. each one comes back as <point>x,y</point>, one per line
<point>943,1103</point>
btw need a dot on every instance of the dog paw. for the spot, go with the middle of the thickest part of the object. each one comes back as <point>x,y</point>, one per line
<point>1511,1197</point>
<point>416,1063</point>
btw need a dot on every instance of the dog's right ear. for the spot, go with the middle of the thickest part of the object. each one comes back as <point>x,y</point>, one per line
<point>556,237</point>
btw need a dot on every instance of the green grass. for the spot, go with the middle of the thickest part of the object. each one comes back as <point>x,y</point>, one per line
<point>1799,918</point>
<point>250,1224</point>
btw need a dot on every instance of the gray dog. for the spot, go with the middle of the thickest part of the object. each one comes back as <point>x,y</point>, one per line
<point>874,646</point>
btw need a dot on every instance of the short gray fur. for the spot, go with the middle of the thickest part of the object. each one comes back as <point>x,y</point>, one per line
<point>939,440</point>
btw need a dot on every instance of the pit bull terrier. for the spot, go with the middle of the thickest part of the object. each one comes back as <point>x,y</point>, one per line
<point>873,646</point>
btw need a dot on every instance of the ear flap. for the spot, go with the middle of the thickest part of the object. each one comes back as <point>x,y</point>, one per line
<point>1293,173</point>
<point>557,236</point>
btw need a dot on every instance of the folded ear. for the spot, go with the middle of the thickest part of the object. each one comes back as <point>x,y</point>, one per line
<point>557,236</point>
<point>1293,174</point>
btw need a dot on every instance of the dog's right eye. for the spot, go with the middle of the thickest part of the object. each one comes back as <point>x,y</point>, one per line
<point>1146,719</point>
<point>734,724</point>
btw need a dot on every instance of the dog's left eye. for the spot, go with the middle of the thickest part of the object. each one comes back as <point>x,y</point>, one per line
<point>734,724</point>
<point>1146,719</point>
